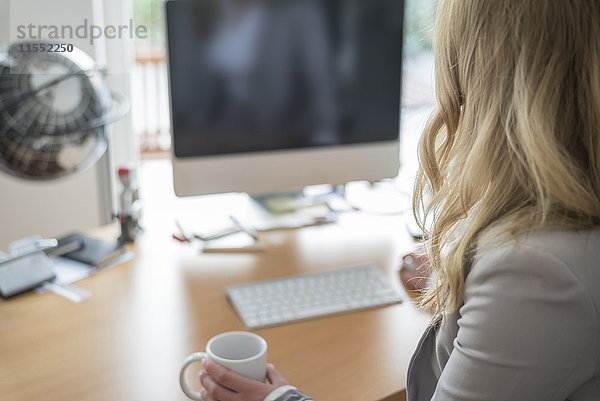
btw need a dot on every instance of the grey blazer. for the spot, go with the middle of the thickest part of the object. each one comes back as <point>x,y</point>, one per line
<point>528,329</point>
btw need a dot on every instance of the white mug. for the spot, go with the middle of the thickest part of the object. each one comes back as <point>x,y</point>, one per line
<point>240,351</point>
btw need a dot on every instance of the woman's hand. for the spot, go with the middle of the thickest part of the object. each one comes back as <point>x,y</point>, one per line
<point>222,384</point>
<point>415,271</point>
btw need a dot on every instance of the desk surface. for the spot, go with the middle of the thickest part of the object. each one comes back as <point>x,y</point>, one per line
<point>128,340</point>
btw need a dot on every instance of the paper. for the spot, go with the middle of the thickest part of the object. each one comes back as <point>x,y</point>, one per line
<point>68,271</point>
<point>240,242</point>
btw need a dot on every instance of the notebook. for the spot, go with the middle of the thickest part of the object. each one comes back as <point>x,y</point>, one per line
<point>92,251</point>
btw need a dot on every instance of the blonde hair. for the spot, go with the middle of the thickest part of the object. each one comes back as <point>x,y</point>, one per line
<point>516,135</point>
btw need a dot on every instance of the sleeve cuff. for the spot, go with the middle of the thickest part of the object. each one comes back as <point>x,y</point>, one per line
<point>278,392</point>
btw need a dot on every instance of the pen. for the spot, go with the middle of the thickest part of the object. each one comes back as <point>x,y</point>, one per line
<point>182,232</point>
<point>248,230</point>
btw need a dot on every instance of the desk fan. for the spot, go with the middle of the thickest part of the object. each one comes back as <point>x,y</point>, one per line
<point>54,109</point>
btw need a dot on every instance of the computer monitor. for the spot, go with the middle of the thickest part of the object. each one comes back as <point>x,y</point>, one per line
<point>269,96</point>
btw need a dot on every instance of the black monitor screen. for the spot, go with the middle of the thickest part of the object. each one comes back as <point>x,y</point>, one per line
<point>259,75</point>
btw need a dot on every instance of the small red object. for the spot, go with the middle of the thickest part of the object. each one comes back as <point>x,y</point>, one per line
<point>179,238</point>
<point>123,171</point>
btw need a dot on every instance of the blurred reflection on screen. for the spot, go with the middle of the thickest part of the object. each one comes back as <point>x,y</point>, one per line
<point>253,75</point>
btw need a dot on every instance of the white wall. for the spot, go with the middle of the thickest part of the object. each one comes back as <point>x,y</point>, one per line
<point>120,57</point>
<point>47,208</point>
<point>77,202</point>
<point>4,21</point>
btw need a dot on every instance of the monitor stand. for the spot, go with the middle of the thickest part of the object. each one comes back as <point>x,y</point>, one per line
<point>308,207</point>
<point>322,204</point>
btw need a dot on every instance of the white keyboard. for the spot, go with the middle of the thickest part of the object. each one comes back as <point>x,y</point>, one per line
<point>286,300</point>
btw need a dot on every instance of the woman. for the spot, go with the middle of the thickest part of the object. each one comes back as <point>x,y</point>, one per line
<point>510,186</point>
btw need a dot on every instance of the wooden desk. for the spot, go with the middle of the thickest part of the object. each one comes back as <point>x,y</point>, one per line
<point>127,342</point>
